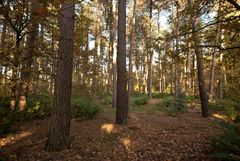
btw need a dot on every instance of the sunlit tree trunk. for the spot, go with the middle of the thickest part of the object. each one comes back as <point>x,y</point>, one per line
<point>130,81</point>
<point>199,56</point>
<point>150,54</point>
<point>122,95</point>
<point>215,52</point>
<point>113,53</point>
<point>58,138</point>
<point>188,72</point>
<point>2,45</point>
<point>221,76</point>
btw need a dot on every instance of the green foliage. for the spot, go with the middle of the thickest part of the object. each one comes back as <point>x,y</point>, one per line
<point>84,109</point>
<point>227,146</point>
<point>227,107</point>
<point>190,99</point>
<point>172,106</point>
<point>160,95</point>
<point>106,100</point>
<point>139,100</point>
<point>38,106</point>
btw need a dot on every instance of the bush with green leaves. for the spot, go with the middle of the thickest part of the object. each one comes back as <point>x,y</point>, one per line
<point>227,107</point>
<point>84,109</point>
<point>172,106</point>
<point>38,106</point>
<point>139,100</point>
<point>106,100</point>
<point>227,146</point>
<point>160,95</point>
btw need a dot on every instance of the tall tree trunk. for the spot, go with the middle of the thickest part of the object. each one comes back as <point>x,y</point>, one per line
<point>221,76</point>
<point>215,52</point>
<point>122,95</point>
<point>58,138</point>
<point>177,57</point>
<point>3,37</point>
<point>193,74</point>
<point>150,54</point>
<point>131,53</point>
<point>27,65</point>
<point>199,57</point>
<point>171,83</point>
<point>113,53</point>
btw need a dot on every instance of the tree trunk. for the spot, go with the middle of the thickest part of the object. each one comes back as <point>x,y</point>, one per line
<point>122,95</point>
<point>131,53</point>
<point>150,54</point>
<point>199,57</point>
<point>27,65</point>
<point>215,52</point>
<point>58,138</point>
<point>3,37</point>
<point>177,58</point>
<point>113,53</point>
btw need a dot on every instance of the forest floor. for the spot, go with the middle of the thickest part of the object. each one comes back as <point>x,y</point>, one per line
<point>148,136</point>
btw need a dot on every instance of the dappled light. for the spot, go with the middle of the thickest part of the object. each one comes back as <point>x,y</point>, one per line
<point>108,128</point>
<point>11,139</point>
<point>119,80</point>
<point>126,142</point>
<point>219,116</point>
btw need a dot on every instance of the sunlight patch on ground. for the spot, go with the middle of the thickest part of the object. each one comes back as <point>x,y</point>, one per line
<point>126,142</point>
<point>14,138</point>
<point>219,116</point>
<point>108,128</point>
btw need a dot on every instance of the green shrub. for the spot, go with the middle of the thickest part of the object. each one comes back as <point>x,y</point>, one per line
<point>106,100</point>
<point>38,106</point>
<point>160,95</point>
<point>139,100</point>
<point>172,106</point>
<point>84,109</point>
<point>190,99</point>
<point>227,107</point>
<point>227,146</point>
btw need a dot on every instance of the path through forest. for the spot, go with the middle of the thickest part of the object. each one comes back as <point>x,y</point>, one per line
<point>146,137</point>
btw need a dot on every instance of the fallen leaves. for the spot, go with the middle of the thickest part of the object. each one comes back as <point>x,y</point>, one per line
<point>146,137</point>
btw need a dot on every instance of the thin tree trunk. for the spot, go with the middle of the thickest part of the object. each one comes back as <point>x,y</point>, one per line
<point>27,65</point>
<point>131,53</point>
<point>3,37</point>
<point>58,138</point>
<point>221,75</point>
<point>177,57</point>
<point>113,53</point>
<point>215,52</point>
<point>188,85</point>
<point>150,54</point>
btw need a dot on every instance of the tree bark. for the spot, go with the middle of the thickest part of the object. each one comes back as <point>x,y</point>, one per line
<point>215,52</point>
<point>150,54</point>
<point>177,57</point>
<point>29,53</point>
<point>122,95</point>
<point>131,53</point>
<point>58,138</point>
<point>113,53</point>
<point>199,57</point>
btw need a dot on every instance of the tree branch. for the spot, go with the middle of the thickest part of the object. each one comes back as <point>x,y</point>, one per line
<point>235,4</point>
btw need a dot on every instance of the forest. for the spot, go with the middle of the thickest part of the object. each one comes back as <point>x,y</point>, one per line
<point>120,80</point>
